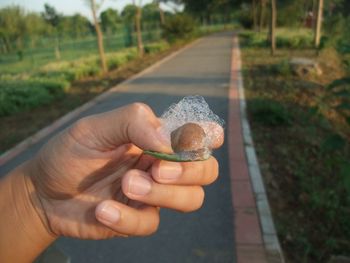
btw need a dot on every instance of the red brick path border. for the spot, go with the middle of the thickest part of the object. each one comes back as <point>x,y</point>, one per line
<point>248,235</point>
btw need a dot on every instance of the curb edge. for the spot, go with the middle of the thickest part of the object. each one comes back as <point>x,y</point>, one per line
<point>269,233</point>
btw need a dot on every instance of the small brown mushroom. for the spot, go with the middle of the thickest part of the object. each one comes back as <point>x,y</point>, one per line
<point>188,137</point>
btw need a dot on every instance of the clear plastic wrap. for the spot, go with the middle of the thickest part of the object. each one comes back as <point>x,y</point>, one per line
<point>180,124</point>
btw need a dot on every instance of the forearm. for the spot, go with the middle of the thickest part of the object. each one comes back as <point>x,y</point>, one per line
<point>23,235</point>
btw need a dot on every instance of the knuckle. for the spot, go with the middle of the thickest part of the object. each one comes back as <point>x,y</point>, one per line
<point>139,109</point>
<point>81,125</point>
<point>81,130</point>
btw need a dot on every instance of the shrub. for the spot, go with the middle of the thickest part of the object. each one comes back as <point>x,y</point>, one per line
<point>180,26</point>
<point>22,94</point>
<point>156,47</point>
<point>269,113</point>
<point>115,60</point>
<point>283,68</point>
<point>244,17</point>
<point>71,71</point>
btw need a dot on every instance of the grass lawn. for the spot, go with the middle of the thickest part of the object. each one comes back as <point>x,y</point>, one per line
<point>303,148</point>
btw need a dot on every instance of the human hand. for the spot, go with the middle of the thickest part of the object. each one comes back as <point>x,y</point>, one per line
<point>93,182</point>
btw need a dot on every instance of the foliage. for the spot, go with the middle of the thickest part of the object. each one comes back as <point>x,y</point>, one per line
<point>205,9</point>
<point>270,113</point>
<point>84,67</point>
<point>150,14</point>
<point>115,60</point>
<point>244,17</point>
<point>286,38</point>
<point>180,26</point>
<point>311,151</point>
<point>283,68</point>
<point>156,47</point>
<point>292,13</point>
<point>128,14</point>
<point>51,16</point>
<point>20,29</point>
<point>110,20</point>
<point>23,94</point>
<point>337,33</point>
<point>338,96</point>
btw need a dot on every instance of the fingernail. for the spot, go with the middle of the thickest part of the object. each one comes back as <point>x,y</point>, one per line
<point>108,213</point>
<point>139,185</point>
<point>170,170</point>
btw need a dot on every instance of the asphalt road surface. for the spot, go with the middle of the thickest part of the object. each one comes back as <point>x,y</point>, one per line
<point>202,236</point>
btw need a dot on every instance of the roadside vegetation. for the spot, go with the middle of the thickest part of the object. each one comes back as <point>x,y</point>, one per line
<point>51,63</point>
<point>300,118</point>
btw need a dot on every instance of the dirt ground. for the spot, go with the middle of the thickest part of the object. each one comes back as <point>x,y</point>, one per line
<point>303,170</point>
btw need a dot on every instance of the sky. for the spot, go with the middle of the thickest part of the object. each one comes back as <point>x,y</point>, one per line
<point>68,7</point>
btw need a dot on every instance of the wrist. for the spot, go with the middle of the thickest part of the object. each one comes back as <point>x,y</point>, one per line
<point>24,232</point>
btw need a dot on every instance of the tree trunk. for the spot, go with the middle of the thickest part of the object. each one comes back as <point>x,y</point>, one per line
<point>318,23</point>
<point>99,37</point>
<point>6,46</point>
<point>138,32</point>
<point>255,22</point>
<point>262,14</point>
<point>314,14</point>
<point>161,15</point>
<point>273,26</point>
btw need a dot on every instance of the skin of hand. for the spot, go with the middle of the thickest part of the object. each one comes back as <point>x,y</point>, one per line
<point>93,182</point>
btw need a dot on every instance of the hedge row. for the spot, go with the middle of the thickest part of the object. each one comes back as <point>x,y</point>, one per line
<point>23,94</point>
<point>19,93</point>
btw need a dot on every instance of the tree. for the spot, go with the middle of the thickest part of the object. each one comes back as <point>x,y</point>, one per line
<point>35,27</point>
<point>254,15</point>
<point>94,9</point>
<point>161,12</point>
<point>138,15</point>
<point>150,13</point>
<point>12,27</point>
<point>109,20</point>
<point>262,12</point>
<point>51,15</point>
<point>53,18</point>
<point>273,26</point>
<point>318,23</point>
<point>128,14</point>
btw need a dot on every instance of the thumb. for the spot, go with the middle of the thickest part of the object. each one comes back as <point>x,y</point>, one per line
<point>135,123</point>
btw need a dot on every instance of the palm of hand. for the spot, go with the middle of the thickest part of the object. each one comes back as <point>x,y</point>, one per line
<point>75,183</point>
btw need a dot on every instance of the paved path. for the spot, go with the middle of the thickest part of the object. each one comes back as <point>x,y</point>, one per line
<point>203,236</point>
